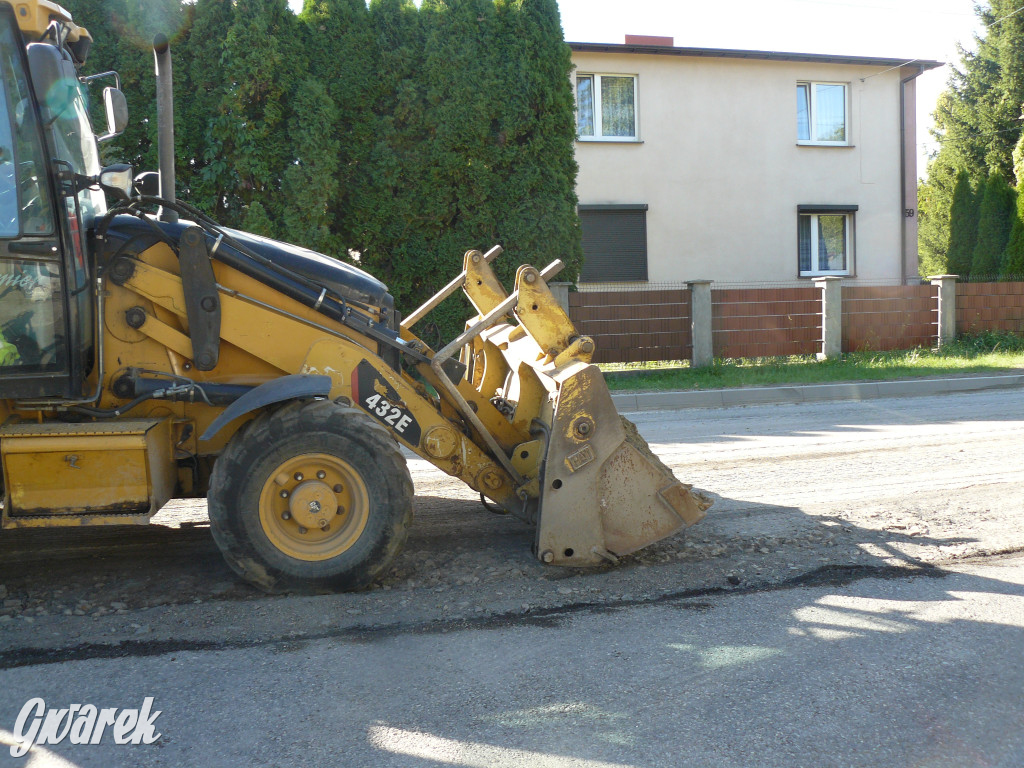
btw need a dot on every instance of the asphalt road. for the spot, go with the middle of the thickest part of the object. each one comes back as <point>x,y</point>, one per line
<point>852,599</point>
<point>900,672</point>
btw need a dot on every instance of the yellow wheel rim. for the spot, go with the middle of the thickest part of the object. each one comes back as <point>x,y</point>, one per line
<point>314,507</point>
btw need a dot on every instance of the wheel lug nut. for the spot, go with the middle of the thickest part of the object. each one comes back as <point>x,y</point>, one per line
<point>341,510</point>
<point>338,488</point>
<point>286,515</point>
<point>302,530</point>
<point>298,476</point>
<point>321,475</point>
<point>284,494</point>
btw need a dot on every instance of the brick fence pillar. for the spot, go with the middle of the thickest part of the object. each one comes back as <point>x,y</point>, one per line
<point>947,307</point>
<point>831,316</point>
<point>700,322</point>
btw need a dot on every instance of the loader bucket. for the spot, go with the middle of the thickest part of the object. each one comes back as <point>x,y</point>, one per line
<point>604,493</point>
<point>543,411</point>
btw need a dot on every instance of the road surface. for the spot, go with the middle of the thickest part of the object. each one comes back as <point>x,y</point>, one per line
<point>853,598</point>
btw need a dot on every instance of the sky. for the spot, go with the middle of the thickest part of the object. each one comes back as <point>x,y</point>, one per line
<point>895,29</point>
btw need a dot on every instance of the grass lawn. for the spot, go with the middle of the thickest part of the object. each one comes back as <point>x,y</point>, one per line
<point>988,352</point>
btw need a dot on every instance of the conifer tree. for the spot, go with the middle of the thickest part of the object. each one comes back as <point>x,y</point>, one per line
<point>249,131</point>
<point>331,120</point>
<point>536,138</point>
<point>994,220</point>
<point>200,86</point>
<point>1013,261</point>
<point>963,227</point>
<point>387,219</point>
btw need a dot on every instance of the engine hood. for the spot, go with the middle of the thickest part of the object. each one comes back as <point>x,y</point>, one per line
<point>129,234</point>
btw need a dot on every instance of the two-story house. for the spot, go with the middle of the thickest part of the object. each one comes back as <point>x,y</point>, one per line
<point>744,166</point>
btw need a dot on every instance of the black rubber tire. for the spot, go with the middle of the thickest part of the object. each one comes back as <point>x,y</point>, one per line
<point>302,427</point>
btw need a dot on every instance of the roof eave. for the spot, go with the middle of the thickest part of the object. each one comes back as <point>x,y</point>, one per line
<point>728,53</point>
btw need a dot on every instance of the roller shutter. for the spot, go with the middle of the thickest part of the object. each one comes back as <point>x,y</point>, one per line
<point>614,243</point>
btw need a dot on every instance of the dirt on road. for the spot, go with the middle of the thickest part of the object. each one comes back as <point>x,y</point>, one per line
<point>801,492</point>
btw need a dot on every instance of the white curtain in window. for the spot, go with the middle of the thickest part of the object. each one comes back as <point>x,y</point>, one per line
<point>618,112</point>
<point>832,243</point>
<point>830,112</point>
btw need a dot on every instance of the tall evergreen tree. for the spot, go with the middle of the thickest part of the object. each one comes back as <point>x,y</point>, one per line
<point>311,182</point>
<point>536,135</point>
<point>460,72</point>
<point>200,86</point>
<point>994,220</point>
<point>979,124</point>
<point>333,127</point>
<point>1013,261</point>
<point>934,203</point>
<point>963,227</point>
<point>389,202</point>
<point>250,128</point>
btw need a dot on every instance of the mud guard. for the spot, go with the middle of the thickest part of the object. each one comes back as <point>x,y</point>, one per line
<point>275,391</point>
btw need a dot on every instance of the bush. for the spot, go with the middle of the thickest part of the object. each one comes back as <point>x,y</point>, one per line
<point>983,343</point>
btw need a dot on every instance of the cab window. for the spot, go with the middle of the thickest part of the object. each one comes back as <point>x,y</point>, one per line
<point>24,204</point>
<point>31,306</point>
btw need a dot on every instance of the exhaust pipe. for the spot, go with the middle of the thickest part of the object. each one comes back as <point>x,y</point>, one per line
<point>165,123</point>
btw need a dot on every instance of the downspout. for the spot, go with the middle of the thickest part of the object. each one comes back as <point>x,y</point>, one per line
<point>165,123</point>
<point>903,178</point>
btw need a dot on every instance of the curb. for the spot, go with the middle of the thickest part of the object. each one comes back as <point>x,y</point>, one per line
<point>809,393</point>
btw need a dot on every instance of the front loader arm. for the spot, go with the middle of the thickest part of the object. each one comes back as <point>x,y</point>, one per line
<point>598,490</point>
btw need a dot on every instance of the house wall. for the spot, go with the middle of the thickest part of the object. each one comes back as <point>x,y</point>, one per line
<point>720,168</point>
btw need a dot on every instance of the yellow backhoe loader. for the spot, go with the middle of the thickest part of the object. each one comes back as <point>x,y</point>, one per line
<point>148,353</point>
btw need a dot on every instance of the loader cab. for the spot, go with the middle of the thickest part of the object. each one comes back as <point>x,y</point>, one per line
<point>46,297</point>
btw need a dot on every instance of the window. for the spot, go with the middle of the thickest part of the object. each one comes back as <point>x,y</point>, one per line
<point>24,203</point>
<point>825,239</point>
<point>614,243</point>
<point>821,113</point>
<point>32,329</point>
<point>606,107</point>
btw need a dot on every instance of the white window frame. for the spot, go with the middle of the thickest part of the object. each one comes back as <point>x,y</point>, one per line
<point>812,108</point>
<point>597,106</point>
<point>847,245</point>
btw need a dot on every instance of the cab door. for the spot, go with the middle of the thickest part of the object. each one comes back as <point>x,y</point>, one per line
<point>34,358</point>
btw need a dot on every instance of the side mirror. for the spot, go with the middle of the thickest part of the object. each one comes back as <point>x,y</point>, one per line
<point>117,179</point>
<point>117,113</point>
